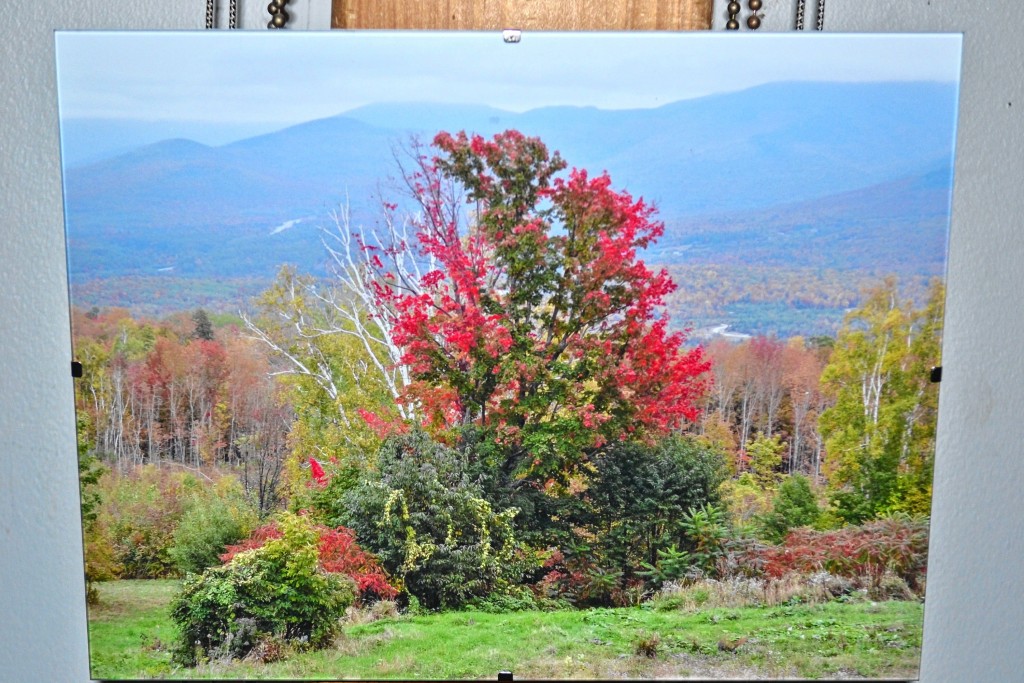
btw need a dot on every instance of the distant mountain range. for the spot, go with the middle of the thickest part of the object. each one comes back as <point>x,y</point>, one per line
<point>898,226</point>
<point>853,175</point>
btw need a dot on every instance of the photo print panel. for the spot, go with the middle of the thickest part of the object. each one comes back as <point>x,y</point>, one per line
<point>427,356</point>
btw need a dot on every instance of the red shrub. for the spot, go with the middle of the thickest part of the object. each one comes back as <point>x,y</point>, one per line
<point>896,545</point>
<point>339,554</point>
<point>256,539</point>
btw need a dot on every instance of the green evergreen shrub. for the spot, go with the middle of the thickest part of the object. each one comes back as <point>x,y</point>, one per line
<point>794,505</point>
<point>429,523</point>
<point>639,495</point>
<point>706,534</point>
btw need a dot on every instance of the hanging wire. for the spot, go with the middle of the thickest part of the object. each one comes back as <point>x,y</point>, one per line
<point>801,7</point>
<point>821,15</point>
<point>209,14</point>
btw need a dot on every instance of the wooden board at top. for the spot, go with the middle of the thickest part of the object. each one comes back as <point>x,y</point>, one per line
<point>536,15</point>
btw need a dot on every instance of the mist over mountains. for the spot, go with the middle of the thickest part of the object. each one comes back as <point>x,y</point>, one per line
<point>817,175</point>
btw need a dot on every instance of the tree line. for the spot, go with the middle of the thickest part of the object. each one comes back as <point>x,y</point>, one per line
<point>172,392</point>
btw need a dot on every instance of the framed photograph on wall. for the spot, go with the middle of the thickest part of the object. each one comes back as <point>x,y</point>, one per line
<point>424,355</point>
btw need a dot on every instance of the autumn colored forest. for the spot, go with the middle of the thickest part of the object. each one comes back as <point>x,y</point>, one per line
<point>486,406</point>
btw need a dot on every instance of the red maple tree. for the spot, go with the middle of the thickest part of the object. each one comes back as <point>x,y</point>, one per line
<point>538,319</point>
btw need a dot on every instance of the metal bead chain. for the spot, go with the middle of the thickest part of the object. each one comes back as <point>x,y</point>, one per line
<point>800,9</point>
<point>754,20</point>
<point>211,14</point>
<point>278,15</point>
<point>734,10</point>
<point>821,15</point>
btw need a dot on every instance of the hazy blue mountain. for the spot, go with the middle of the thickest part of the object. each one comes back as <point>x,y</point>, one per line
<point>253,185</point>
<point>899,226</point>
<point>773,144</point>
<point>763,174</point>
<point>90,140</point>
<point>428,118</point>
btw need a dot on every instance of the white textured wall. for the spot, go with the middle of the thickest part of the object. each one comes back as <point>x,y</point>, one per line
<point>975,609</point>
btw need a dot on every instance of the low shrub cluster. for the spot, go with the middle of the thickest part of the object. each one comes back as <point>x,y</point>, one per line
<point>153,522</point>
<point>513,599</point>
<point>453,529</point>
<point>262,598</point>
<point>895,546</point>
<point>213,517</point>
<point>140,511</point>
<point>884,560</point>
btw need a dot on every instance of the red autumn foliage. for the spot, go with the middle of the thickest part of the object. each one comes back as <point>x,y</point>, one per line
<point>384,429</point>
<point>339,554</point>
<point>895,545</point>
<point>256,539</point>
<point>317,472</point>
<point>539,322</point>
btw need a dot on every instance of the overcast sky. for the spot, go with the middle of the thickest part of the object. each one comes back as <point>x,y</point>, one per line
<point>283,77</point>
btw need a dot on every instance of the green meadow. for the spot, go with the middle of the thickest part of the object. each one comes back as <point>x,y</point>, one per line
<point>131,632</point>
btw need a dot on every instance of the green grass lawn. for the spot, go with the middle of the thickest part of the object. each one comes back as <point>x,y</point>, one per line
<point>130,631</point>
<point>130,635</point>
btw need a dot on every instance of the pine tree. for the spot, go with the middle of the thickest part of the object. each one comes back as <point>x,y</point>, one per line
<point>203,326</point>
